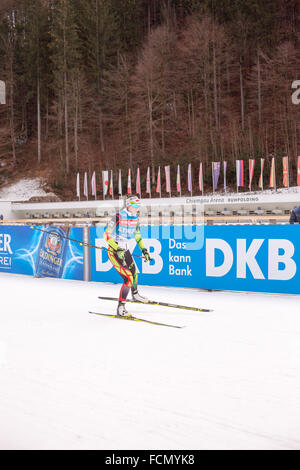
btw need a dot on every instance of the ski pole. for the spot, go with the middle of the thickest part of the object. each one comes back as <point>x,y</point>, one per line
<point>81,243</point>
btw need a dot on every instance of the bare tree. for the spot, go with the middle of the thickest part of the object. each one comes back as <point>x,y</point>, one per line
<point>153,91</point>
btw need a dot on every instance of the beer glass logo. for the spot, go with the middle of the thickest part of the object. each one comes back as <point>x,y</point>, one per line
<point>53,243</point>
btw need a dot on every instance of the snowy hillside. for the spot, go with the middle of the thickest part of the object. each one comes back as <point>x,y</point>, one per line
<point>23,190</point>
<point>71,380</point>
<point>26,188</point>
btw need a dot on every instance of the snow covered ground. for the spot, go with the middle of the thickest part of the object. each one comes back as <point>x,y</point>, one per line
<point>24,190</point>
<point>70,380</point>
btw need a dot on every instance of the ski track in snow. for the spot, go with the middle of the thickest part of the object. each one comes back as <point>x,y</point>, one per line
<point>70,380</point>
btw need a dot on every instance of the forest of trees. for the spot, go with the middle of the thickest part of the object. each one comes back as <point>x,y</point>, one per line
<point>117,84</point>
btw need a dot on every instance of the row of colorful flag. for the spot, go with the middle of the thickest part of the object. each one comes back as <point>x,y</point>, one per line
<point>108,182</point>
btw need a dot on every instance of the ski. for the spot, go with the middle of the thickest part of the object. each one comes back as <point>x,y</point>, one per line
<point>135,319</point>
<point>161,304</point>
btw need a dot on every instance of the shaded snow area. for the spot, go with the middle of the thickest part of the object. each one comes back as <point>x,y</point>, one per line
<point>23,190</point>
<point>71,380</point>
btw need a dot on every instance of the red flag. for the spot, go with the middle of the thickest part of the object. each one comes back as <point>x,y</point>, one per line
<point>111,191</point>
<point>178,182</point>
<point>285,170</point>
<point>251,171</point>
<point>129,182</point>
<point>201,178</point>
<point>272,174</point>
<point>158,185</point>
<point>138,182</point>
<point>261,178</point>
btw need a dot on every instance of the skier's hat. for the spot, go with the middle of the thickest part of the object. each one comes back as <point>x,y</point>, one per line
<point>133,201</point>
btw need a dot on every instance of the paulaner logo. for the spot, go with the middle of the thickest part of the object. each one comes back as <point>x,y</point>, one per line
<point>5,251</point>
<point>296,94</point>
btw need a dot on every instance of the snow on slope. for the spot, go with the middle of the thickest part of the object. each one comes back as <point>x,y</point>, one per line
<point>26,188</point>
<point>23,190</point>
<point>70,380</point>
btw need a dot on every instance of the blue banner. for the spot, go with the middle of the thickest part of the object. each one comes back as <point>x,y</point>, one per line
<point>257,258</point>
<point>42,251</point>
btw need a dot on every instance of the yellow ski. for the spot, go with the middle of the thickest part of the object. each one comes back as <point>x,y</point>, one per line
<point>132,318</point>
<point>162,304</point>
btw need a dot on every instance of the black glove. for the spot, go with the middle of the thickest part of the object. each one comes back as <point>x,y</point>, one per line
<point>146,255</point>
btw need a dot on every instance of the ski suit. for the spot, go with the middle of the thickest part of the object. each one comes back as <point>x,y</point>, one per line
<point>121,229</point>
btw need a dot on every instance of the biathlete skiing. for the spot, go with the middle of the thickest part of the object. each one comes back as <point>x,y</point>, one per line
<point>121,229</point>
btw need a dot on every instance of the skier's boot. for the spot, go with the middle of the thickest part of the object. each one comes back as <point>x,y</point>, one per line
<point>138,298</point>
<point>121,310</point>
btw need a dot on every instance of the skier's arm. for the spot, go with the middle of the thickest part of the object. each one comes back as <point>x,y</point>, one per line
<point>108,233</point>
<point>139,240</point>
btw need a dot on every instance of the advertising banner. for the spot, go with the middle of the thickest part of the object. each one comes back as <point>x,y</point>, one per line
<point>253,258</point>
<point>43,252</point>
<point>262,258</point>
